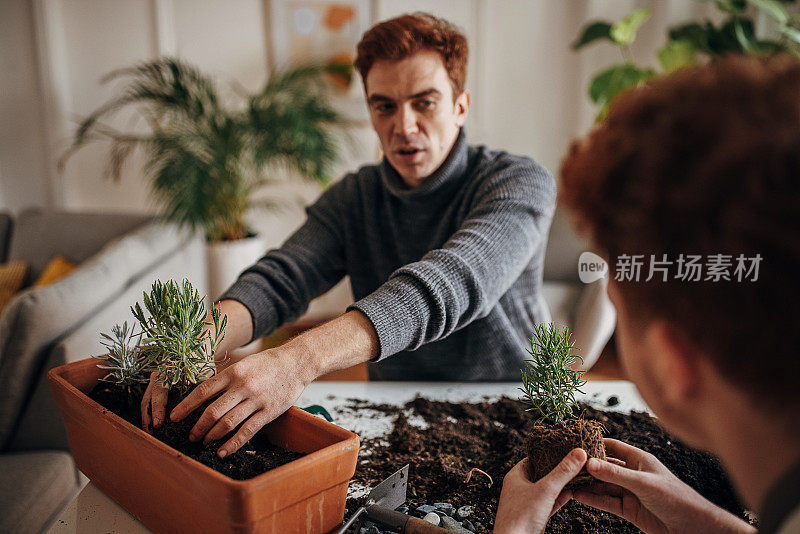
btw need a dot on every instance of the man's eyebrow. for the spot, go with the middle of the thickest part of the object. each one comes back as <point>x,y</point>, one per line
<point>383,98</point>
<point>378,98</point>
<point>427,92</point>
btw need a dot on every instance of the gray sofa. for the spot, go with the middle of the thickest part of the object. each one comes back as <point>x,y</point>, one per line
<point>119,256</point>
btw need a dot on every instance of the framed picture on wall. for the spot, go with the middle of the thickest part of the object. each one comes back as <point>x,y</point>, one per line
<point>321,31</point>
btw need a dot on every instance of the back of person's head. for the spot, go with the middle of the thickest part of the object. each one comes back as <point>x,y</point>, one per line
<point>403,36</point>
<point>705,162</point>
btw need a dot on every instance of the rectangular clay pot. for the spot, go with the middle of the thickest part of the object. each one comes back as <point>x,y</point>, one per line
<point>170,492</point>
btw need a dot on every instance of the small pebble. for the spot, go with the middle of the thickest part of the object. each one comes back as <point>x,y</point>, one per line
<point>445,507</point>
<point>613,400</point>
<point>451,524</point>
<point>425,508</point>
<point>403,509</point>
<point>373,530</point>
<point>464,512</point>
<point>439,513</point>
<point>467,524</point>
<point>432,518</point>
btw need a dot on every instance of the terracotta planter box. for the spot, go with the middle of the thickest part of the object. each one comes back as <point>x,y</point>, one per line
<point>170,492</point>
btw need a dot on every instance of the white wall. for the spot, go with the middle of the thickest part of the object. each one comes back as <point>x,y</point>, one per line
<point>528,86</point>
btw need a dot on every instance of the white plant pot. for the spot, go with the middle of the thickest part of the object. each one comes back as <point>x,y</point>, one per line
<point>227,259</point>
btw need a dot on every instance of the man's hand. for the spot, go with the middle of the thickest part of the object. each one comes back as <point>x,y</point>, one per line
<point>260,387</point>
<point>154,402</point>
<point>526,506</point>
<point>255,391</point>
<point>647,494</point>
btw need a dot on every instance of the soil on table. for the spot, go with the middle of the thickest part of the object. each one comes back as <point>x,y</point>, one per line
<point>257,456</point>
<point>491,436</point>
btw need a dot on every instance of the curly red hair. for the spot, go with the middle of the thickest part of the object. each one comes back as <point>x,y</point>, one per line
<point>705,161</point>
<point>403,36</point>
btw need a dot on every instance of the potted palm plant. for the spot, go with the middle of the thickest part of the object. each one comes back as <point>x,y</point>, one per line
<point>291,477</point>
<point>206,161</point>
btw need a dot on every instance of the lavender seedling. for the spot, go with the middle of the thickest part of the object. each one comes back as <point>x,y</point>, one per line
<point>175,343</point>
<point>124,359</point>
<point>549,382</point>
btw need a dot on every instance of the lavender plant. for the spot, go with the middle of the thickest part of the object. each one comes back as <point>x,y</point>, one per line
<point>175,344</point>
<point>549,382</point>
<point>124,360</point>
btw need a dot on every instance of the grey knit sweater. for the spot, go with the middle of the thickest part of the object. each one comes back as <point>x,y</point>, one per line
<point>449,273</point>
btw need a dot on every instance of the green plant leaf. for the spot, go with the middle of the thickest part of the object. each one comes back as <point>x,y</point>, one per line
<point>774,8</point>
<point>791,33</point>
<point>593,32</point>
<point>745,38</point>
<point>677,54</point>
<point>732,6</point>
<point>694,33</point>
<point>610,82</point>
<point>624,31</point>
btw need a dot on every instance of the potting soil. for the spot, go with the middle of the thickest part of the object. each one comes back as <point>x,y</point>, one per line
<point>255,457</point>
<point>491,436</point>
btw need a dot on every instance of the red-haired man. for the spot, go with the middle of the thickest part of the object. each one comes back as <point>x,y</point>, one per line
<point>443,242</point>
<point>704,162</point>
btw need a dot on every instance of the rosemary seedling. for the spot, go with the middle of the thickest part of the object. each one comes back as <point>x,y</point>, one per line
<point>175,344</point>
<point>549,383</point>
<point>124,360</point>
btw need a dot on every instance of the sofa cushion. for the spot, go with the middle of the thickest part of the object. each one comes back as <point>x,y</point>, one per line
<point>39,235</point>
<point>38,317</point>
<point>36,486</point>
<point>59,267</point>
<point>12,277</point>
<point>561,298</point>
<point>5,235</point>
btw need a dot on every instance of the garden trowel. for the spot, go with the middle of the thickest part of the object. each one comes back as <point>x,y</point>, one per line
<point>381,504</point>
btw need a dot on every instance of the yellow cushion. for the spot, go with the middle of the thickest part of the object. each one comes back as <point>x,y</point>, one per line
<point>57,268</point>
<point>12,276</point>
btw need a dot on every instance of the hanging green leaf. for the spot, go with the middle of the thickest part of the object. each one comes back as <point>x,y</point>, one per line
<point>734,7</point>
<point>774,8</point>
<point>606,85</point>
<point>745,38</point>
<point>692,32</point>
<point>593,32</point>
<point>677,54</point>
<point>624,31</point>
<point>791,33</point>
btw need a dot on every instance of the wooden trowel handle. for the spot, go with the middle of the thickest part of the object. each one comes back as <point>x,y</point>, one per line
<point>415,525</point>
<point>402,522</point>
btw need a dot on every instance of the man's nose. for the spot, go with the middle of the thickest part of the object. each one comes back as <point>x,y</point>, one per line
<point>407,121</point>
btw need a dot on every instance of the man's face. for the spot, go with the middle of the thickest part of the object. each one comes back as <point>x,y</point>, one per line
<point>413,111</point>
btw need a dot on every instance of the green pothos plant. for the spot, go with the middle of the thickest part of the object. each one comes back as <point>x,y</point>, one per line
<point>549,382</point>
<point>688,43</point>
<point>174,342</point>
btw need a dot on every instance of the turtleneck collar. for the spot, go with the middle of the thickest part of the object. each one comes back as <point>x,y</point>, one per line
<point>453,168</point>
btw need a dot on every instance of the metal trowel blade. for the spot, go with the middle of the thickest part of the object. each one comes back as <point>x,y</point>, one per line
<point>390,493</point>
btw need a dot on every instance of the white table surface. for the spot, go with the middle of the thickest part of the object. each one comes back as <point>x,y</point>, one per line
<point>92,512</point>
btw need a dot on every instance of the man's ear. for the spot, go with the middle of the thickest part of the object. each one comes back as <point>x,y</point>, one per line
<point>462,107</point>
<point>677,361</point>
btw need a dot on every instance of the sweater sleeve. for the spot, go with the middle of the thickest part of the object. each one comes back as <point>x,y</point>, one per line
<point>463,280</point>
<point>280,286</point>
